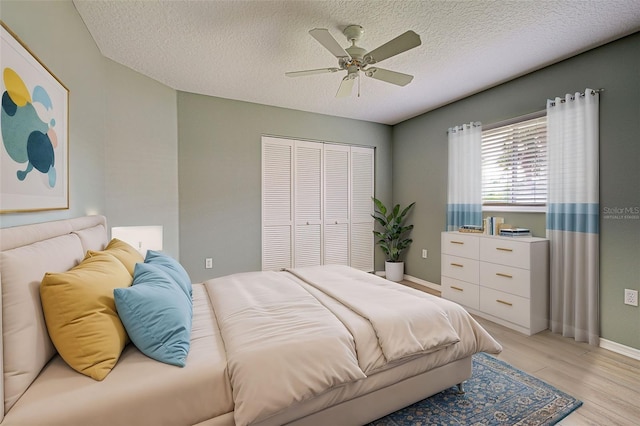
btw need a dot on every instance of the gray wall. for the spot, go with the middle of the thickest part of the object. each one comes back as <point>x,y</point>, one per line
<point>220,174</point>
<point>142,156</point>
<point>420,167</point>
<point>123,142</point>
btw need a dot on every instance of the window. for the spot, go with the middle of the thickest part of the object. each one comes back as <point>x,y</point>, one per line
<point>514,165</point>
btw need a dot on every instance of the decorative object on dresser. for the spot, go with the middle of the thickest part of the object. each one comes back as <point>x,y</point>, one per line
<point>392,240</point>
<point>503,279</point>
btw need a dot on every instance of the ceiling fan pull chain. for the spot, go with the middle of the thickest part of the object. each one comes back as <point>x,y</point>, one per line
<point>358,84</point>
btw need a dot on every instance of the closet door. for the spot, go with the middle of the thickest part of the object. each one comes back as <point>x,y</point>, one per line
<point>308,204</point>
<point>277,203</point>
<point>362,178</point>
<point>336,204</point>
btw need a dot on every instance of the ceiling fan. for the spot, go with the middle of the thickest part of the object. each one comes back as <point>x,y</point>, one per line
<point>354,59</point>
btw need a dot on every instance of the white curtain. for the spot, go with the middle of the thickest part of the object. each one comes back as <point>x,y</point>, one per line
<point>464,201</point>
<point>573,215</point>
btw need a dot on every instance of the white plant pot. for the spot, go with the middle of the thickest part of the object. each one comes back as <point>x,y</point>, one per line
<point>394,271</point>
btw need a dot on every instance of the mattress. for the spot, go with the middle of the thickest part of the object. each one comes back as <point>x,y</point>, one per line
<point>336,353</point>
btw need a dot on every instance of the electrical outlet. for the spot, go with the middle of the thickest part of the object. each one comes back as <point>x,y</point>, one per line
<point>630,297</point>
<point>424,253</point>
<point>208,263</point>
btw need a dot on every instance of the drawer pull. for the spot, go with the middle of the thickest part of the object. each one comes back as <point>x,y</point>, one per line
<point>457,264</point>
<point>457,288</point>
<point>504,303</point>
<point>457,242</point>
<point>503,249</point>
<point>500,274</point>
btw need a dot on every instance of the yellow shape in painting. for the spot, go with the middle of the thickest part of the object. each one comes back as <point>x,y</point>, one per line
<point>16,88</point>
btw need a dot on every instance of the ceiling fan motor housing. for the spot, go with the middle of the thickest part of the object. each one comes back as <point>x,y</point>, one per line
<point>353,32</point>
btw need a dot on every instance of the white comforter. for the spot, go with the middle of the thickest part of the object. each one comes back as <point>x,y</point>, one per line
<point>295,334</point>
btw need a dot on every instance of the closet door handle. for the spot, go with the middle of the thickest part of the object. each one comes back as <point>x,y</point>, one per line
<point>500,274</point>
<point>457,288</point>
<point>457,242</point>
<point>504,303</point>
<point>457,264</point>
<point>503,249</point>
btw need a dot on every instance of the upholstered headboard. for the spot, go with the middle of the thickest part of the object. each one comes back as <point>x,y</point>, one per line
<point>26,253</point>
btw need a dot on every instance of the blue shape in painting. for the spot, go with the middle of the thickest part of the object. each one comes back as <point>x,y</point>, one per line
<point>24,134</point>
<point>41,95</point>
<point>8,106</point>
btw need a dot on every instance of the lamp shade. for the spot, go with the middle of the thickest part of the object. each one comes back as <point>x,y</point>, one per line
<point>142,238</point>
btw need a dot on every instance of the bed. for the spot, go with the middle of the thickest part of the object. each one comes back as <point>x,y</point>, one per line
<point>307,346</point>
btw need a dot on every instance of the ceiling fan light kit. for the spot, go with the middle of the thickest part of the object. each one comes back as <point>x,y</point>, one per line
<point>354,59</point>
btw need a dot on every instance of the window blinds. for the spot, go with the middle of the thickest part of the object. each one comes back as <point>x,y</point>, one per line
<point>514,164</point>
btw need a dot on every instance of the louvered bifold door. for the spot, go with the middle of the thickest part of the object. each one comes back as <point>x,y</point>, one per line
<point>277,207</point>
<point>336,204</point>
<point>308,204</point>
<point>362,163</point>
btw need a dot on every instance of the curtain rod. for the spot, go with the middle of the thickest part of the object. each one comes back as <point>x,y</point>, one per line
<point>461,127</point>
<point>573,98</point>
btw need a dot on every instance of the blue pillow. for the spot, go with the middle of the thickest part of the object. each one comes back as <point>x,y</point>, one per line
<point>171,267</point>
<point>156,314</point>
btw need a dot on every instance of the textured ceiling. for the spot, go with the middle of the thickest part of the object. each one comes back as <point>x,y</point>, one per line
<point>241,49</point>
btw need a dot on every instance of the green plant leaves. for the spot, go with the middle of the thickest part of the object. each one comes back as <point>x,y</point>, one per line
<point>391,240</point>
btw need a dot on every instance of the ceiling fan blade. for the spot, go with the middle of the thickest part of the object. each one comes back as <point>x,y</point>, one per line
<point>400,44</point>
<point>345,87</point>
<point>392,77</point>
<point>325,38</point>
<point>310,72</point>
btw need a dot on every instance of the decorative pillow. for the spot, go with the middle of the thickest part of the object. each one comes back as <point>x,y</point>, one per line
<point>171,267</point>
<point>123,252</point>
<point>81,314</point>
<point>156,314</point>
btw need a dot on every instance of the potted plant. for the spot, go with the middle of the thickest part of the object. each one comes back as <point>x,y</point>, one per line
<point>393,237</point>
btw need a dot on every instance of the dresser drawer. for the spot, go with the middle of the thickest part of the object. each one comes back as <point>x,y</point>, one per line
<point>505,251</point>
<point>458,244</point>
<point>461,268</point>
<point>507,306</point>
<point>505,278</point>
<point>460,292</point>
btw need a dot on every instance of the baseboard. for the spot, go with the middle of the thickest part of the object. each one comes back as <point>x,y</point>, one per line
<point>620,349</point>
<point>424,283</point>
<point>415,280</point>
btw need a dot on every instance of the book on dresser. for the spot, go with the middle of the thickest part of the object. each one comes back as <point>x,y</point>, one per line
<point>515,232</point>
<point>502,279</point>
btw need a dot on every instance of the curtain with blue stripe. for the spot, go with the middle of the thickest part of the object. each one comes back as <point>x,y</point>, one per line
<point>464,200</point>
<point>573,215</point>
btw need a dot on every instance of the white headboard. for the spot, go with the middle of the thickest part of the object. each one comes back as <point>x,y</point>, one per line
<point>26,253</point>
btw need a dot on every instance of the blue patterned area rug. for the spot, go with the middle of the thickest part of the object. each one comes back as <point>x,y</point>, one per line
<point>496,394</point>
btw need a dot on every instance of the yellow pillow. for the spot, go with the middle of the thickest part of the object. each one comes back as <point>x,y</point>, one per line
<point>81,316</point>
<point>123,252</point>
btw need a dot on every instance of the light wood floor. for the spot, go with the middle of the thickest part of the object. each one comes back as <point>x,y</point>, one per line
<point>607,383</point>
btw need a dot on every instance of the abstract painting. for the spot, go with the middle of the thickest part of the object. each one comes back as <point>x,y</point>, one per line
<point>34,157</point>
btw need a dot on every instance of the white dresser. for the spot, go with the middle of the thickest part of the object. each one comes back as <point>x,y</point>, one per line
<point>503,279</point>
